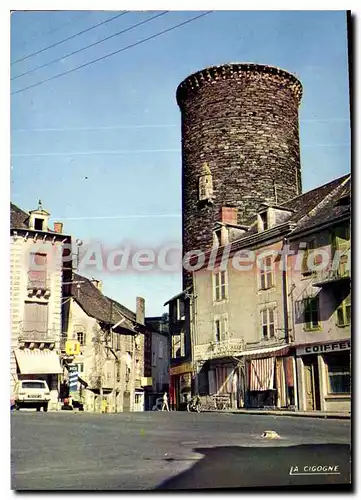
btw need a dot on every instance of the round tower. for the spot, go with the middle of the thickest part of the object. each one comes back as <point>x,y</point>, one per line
<point>240,144</point>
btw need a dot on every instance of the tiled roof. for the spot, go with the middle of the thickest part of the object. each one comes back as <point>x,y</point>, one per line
<point>321,205</point>
<point>313,208</point>
<point>18,218</point>
<point>97,305</point>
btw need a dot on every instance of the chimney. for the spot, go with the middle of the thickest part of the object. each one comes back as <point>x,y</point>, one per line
<point>58,227</point>
<point>97,283</point>
<point>140,310</point>
<point>228,215</point>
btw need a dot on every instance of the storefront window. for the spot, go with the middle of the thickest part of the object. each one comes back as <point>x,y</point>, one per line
<point>338,373</point>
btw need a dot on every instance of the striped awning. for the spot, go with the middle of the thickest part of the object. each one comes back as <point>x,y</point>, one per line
<point>37,361</point>
<point>261,376</point>
<point>281,350</point>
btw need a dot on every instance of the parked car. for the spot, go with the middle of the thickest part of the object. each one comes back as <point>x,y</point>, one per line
<point>31,394</point>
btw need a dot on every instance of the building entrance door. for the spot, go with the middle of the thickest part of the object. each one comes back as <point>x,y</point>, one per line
<point>312,386</point>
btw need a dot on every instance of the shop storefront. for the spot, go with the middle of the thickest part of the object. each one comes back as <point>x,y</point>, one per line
<point>180,389</point>
<point>324,373</point>
<point>40,364</point>
<point>270,379</point>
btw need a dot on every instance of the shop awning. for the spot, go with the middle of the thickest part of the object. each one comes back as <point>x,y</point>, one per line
<point>261,374</point>
<point>38,361</point>
<point>266,352</point>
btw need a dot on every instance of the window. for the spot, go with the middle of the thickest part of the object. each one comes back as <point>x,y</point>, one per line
<point>176,351</point>
<point>311,313</point>
<point>340,243</point>
<point>340,238</point>
<point>220,328</point>
<point>268,323</point>
<point>306,270</point>
<point>181,309</point>
<point>266,273</point>
<point>343,312</point>
<point>33,385</point>
<point>39,224</point>
<point>36,318</point>
<point>154,359</point>
<point>118,371</point>
<point>182,344</point>
<point>339,380</point>
<point>264,221</point>
<point>218,235</point>
<point>80,367</point>
<point>81,338</point>
<point>37,270</point>
<point>220,285</point>
<point>160,353</point>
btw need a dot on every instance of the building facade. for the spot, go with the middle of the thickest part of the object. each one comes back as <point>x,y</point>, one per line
<point>159,358</point>
<point>181,371</point>
<point>267,331</point>
<point>37,271</point>
<point>109,350</point>
<point>321,298</point>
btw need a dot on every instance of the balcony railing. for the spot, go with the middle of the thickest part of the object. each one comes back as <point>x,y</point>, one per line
<point>331,276</point>
<point>222,349</point>
<point>48,336</point>
<point>38,285</point>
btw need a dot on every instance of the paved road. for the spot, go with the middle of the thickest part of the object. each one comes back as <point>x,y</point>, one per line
<point>160,450</point>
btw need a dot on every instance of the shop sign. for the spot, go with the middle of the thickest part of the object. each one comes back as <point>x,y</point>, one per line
<point>326,348</point>
<point>73,378</point>
<point>180,369</point>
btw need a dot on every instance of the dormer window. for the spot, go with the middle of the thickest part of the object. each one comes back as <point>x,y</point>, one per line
<point>263,221</point>
<point>219,236</point>
<point>39,219</point>
<point>39,224</point>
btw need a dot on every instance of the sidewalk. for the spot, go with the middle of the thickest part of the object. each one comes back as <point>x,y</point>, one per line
<point>287,413</point>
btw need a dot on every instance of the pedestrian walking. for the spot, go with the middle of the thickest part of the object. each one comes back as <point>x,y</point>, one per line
<point>165,405</point>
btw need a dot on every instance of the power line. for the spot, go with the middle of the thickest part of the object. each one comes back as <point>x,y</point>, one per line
<point>69,21</point>
<point>69,37</point>
<point>52,30</point>
<point>90,45</point>
<point>113,53</point>
<point>114,127</point>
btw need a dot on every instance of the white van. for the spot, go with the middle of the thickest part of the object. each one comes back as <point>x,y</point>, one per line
<point>31,394</point>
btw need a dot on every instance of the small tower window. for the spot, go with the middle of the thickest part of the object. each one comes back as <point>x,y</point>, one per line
<point>264,220</point>
<point>39,224</point>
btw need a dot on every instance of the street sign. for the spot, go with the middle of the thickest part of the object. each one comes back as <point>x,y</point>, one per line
<point>73,378</point>
<point>72,347</point>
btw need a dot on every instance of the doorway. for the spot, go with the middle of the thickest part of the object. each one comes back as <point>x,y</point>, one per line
<point>312,385</point>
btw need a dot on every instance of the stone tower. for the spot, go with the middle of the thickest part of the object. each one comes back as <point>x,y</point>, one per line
<point>240,144</point>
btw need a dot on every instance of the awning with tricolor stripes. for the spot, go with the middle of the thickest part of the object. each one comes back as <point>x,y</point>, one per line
<point>261,374</point>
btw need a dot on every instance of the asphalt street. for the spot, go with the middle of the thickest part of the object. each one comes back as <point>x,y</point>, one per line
<point>176,450</point>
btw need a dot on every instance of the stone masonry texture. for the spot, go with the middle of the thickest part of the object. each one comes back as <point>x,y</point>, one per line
<point>242,120</point>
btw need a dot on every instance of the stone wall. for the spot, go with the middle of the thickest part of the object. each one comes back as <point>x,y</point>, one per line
<point>242,120</point>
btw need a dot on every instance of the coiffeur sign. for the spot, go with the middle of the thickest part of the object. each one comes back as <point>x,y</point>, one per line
<point>327,347</point>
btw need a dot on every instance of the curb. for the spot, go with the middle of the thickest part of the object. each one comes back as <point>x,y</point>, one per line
<point>283,414</point>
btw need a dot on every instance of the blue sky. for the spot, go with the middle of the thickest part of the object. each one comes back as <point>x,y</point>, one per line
<point>101,146</point>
